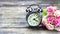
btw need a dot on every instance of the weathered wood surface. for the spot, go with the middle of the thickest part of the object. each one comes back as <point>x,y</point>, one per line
<point>12,17</point>
<point>25,31</point>
<point>13,14</point>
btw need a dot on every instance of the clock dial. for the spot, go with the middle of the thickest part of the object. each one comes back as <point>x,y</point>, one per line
<point>34,19</point>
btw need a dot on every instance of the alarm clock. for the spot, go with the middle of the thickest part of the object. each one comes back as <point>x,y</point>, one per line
<point>34,15</point>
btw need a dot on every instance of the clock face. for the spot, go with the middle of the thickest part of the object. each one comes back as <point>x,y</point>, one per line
<point>34,19</point>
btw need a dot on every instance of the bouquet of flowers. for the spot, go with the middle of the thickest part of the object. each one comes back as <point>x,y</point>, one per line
<point>51,19</point>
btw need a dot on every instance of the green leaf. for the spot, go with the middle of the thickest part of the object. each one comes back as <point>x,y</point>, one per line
<point>44,13</point>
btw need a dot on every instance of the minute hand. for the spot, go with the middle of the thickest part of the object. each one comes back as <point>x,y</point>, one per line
<point>36,20</point>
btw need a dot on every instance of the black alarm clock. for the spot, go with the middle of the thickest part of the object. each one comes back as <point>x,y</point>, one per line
<point>34,15</point>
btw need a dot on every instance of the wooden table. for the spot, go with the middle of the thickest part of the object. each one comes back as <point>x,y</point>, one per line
<point>13,17</point>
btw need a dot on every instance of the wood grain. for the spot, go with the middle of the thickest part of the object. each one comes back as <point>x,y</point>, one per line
<point>13,16</point>
<point>26,31</point>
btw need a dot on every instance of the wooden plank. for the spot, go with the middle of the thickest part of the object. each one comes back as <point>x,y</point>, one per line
<point>15,16</point>
<point>26,31</point>
<point>21,3</point>
<point>13,21</point>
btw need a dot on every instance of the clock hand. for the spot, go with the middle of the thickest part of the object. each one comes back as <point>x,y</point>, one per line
<point>35,20</point>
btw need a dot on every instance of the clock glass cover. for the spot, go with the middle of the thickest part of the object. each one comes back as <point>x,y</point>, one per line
<point>34,19</point>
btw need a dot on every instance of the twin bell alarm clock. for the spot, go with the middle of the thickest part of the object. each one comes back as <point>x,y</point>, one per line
<point>34,15</point>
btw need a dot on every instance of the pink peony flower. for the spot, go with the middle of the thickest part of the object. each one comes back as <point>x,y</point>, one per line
<point>47,24</point>
<point>58,17</point>
<point>51,9</point>
<point>50,18</point>
<point>56,22</point>
<point>57,13</point>
<point>50,27</point>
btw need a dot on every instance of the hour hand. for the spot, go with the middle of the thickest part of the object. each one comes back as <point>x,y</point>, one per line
<point>35,20</point>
